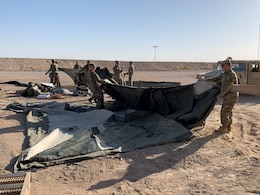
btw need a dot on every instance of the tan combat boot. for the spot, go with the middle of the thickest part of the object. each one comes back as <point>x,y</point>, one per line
<point>229,128</point>
<point>222,129</point>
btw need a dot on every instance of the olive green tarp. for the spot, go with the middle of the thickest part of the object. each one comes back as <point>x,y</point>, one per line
<point>151,116</point>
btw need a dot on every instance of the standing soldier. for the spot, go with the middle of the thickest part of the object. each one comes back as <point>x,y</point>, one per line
<point>54,76</point>
<point>85,68</point>
<point>77,68</point>
<point>118,73</point>
<point>94,84</point>
<point>226,80</point>
<point>130,73</point>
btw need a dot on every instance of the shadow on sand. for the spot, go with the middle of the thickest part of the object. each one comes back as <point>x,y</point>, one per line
<point>20,117</point>
<point>169,158</point>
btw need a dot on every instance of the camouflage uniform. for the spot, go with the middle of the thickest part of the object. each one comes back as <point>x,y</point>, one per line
<point>118,74</point>
<point>94,84</point>
<point>54,76</point>
<point>130,74</point>
<point>77,68</point>
<point>226,80</point>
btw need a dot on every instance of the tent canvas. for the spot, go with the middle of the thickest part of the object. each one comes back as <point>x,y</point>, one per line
<point>150,116</point>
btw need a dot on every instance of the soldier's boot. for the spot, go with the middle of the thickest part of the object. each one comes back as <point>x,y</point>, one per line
<point>229,128</point>
<point>222,129</point>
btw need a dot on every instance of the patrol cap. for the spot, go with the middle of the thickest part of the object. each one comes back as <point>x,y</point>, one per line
<point>93,65</point>
<point>227,61</point>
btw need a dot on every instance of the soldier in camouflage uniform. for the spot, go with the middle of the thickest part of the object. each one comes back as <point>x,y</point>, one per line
<point>118,73</point>
<point>130,73</point>
<point>226,80</point>
<point>54,76</point>
<point>94,84</point>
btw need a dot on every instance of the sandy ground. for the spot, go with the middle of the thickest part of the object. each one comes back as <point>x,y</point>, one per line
<point>208,164</point>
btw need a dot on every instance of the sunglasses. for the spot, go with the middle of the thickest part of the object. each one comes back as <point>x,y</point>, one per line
<point>224,65</point>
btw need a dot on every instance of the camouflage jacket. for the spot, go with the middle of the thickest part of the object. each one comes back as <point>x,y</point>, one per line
<point>131,70</point>
<point>117,71</point>
<point>226,80</point>
<point>53,69</point>
<point>93,81</point>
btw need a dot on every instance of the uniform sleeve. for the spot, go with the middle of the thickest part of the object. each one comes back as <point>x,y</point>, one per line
<point>48,70</point>
<point>217,79</point>
<point>228,86</point>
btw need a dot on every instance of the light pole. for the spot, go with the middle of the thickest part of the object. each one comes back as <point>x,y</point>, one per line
<point>258,43</point>
<point>155,47</point>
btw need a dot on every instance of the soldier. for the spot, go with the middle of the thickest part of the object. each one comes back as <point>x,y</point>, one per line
<point>226,80</point>
<point>118,73</point>
<point>77,68</point>
<point>54,76</point>
<point>130,73</point>
<point>87,81</point>
<point>85,68</point>
<point>94,84</point>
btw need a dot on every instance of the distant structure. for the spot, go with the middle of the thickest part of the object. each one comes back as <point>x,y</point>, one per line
<point>155,47</point>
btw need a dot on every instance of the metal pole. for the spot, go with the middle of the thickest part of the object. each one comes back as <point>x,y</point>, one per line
<point>155,47</point>
<point>258,43</point>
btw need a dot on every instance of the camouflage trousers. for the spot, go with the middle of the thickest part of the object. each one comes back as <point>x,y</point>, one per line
<point>119,80</point>
<point>226,109</point>
<point>98,97</point>
<point>54,78</point>
<point>130,80</point>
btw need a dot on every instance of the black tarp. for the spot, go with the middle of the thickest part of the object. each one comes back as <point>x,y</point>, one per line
<point>179,102</point>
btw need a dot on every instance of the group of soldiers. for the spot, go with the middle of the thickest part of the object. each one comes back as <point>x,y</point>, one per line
<point>92,79</point>
<point>94,82</point>
<point>119,75</point>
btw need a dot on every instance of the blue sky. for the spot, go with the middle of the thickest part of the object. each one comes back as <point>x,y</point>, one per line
<point>183,30</point>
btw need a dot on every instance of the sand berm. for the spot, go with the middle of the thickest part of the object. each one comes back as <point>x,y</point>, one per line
<point>35,64</point>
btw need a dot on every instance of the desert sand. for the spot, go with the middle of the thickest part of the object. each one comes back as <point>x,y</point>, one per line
<point>210,163</point>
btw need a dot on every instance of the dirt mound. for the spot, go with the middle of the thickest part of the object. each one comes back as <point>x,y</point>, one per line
<point>33,64</point>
